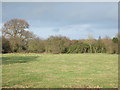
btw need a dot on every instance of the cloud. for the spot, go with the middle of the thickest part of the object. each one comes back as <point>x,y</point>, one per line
<point>56,30</point>
<point>62,12</point>
<point>74,20</point>
<point>76,31</point>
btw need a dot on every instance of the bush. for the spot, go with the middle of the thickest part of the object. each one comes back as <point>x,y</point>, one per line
<point>36,45</point>
<point>56,44</point>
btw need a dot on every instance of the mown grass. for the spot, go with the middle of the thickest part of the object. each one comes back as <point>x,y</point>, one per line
<point>60,70</point>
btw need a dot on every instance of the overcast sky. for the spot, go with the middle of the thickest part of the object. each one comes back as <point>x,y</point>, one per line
<point>75,20</point>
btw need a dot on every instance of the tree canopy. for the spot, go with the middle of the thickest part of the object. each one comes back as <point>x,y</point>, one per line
<point>16,37</point>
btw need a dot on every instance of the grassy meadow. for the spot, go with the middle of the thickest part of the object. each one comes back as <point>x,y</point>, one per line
<point>59,70</point>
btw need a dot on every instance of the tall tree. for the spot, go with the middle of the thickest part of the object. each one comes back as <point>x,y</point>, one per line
<point>16,31</point>
<point>16,28</point>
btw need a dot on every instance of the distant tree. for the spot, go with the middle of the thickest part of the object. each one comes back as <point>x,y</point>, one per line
<point>115,44</point>
<point>16,31</point>
<point>17,45</point>
<point>109,45</point>
<point>89,42</point>
<point>115,39</point>
<point>17,38</point>
<point>36,45</point>
<point>5,45</point>
<point>76,46</point>
<point>15,27</point>
<point>100,46</point>
<point>56,44</point>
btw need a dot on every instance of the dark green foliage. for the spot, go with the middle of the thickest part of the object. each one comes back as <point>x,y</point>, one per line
<point>86,46</point>
<point>5,45</point>
<point>59,44</point>
<point>115,40</point>
<point>76,47</point>
<point>56,44</point>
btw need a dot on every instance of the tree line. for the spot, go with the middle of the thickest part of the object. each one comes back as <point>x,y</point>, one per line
<point>16,38</point>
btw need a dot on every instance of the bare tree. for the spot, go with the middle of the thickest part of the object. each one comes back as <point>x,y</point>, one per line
<point>16,28</point>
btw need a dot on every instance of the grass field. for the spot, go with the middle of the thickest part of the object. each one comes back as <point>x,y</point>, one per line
<point>60,70</point>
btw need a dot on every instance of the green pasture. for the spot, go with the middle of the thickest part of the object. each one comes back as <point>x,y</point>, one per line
<point>59,70</point>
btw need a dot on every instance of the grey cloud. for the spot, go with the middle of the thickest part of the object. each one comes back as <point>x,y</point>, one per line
<point>62,12</point>
<point>56,30</point>
<point>60,18</point>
